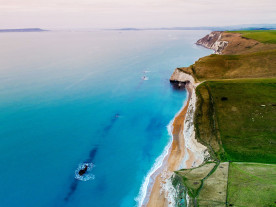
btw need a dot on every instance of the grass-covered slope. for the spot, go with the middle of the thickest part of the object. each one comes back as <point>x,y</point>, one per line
<point>235,118</point>
<point>205,185</point>
<point>254,65</point>
<point>264,36</point>
<point>242,58</point>
<point>251,185</point>
<point>214,188</point>
<point>241,118</point>
<point>206,125</point>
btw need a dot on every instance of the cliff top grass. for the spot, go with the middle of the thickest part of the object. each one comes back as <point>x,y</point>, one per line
<point>206,184</point>
<point>214,188</point>
<point>206,125</point>
<point>238,115</point>
<point>193,178</point>
<point>253,65</point>
<point>235,119</point>
<point>264,36</point>
<point>249,54</point>
<point>251,184</point>
<point>239,44</point>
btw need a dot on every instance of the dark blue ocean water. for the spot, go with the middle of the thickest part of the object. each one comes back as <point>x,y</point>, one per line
<point>73,97</point>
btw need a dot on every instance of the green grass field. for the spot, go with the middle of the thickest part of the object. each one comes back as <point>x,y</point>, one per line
<point>245,111</point>
<point>214,188</point>
<point>251,185</point>
<point>252,65</point>
<point>235,118</point>
<point>259,63</point>
<point>264,36</point>
<point>206,185</point>
<point>206,126</point>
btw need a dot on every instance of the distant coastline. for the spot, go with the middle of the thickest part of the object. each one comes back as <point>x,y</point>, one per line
<point>24,30</point>
<point>212,28</point>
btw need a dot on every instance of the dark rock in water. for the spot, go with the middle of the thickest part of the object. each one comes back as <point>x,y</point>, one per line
<point>83,171</point>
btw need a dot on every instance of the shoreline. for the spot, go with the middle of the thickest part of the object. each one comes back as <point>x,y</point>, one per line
<point>182,153</point>
<point>159,165</point>
<point>185,152</point>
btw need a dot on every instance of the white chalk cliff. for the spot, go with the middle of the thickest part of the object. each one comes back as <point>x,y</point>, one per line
<point>213,41</point>
<point>179,76</point>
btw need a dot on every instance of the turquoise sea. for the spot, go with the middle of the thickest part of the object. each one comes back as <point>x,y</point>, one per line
<point>98,97</point>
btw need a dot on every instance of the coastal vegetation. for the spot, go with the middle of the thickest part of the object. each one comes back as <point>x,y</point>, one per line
<point>254,65</point>
<point>206,185</point>
<point>235,119</point>
<point>251,184</point>
<point>239,42</point>
<point>206,126</point>
<point>214,190</point>
<point>264,36</point>
<point>245,110</point>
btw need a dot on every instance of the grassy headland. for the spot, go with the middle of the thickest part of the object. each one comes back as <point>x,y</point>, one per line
<point>253,65</point>
<point>235,119</point>
<point>264,36</point>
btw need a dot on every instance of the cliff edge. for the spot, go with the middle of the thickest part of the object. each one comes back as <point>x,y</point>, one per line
<point>237,57</point>
<point>238,80</point>
<point>179,77</point>
<point>213,41</point>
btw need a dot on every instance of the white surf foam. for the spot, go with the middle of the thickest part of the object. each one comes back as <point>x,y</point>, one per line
<point>87,176</point>
<point>148,181</point>
<point>145,78</point>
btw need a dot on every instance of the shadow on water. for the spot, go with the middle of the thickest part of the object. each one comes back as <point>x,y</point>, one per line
<point>154,131</point>
<point>74,184</point>
<point>152,128</point>
<point>91,157</point>
<point>92,154</point>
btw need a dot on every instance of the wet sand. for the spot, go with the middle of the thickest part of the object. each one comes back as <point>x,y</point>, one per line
<point>178,152</point>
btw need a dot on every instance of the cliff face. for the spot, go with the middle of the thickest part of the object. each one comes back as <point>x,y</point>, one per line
<point>180,76</point>
<point>213,41</point>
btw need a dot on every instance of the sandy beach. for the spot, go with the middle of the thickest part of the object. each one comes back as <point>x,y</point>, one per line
<point>181,155</point>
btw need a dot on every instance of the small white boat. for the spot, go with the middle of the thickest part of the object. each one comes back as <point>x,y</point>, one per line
<point>145,78</point>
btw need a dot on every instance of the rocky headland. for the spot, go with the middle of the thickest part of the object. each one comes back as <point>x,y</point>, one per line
<point>213,41</point>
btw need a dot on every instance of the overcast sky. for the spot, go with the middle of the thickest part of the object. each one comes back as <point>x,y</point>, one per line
<point>134,13</point>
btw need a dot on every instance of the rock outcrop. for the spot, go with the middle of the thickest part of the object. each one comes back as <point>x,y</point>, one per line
<point>179,76</point>
<point>213,41</point>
